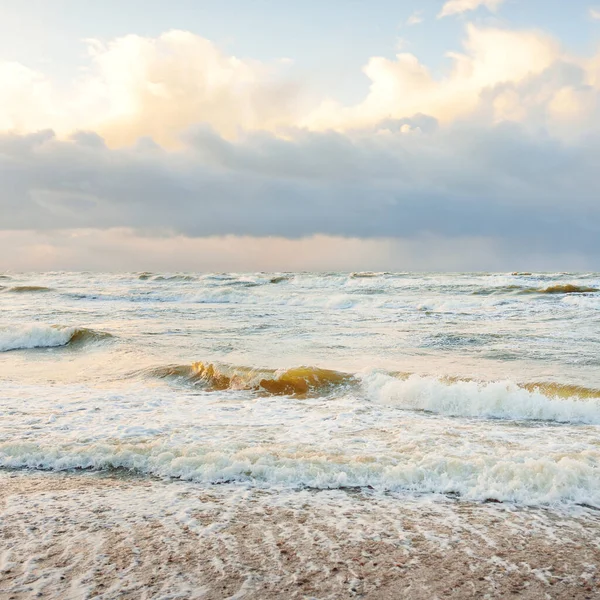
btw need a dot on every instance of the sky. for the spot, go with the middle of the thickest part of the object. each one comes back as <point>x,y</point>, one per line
<point>195,135</point>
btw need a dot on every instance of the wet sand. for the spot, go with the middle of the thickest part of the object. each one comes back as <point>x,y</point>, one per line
<point>71,536</point>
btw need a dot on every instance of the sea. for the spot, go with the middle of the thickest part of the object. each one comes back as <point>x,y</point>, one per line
<point>474,386</point>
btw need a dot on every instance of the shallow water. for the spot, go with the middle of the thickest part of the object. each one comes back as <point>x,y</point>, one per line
<point>483,385</point>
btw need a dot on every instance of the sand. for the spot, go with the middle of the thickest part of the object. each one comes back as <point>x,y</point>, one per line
<point>71,536</point>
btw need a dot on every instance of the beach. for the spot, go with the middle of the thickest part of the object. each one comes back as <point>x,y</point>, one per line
<point>86,536</point>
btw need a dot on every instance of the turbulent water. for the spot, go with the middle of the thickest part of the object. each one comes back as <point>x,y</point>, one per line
<point>482,386</point>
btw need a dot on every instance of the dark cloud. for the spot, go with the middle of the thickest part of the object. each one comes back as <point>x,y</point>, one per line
<point>503,183</point>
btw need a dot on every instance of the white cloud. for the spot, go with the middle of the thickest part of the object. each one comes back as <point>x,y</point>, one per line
<point>156,87</point>
<point>159,87</point>
<point>403,87</point>
<point>454,7</point>
<point>415,18</point>
<point>594,13</point>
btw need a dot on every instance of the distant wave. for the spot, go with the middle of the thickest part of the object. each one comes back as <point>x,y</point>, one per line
<point>566,288</point>
<point>22,337</point>
<point>24,289</point>
<point>299,382</point>
<point>495,400</point>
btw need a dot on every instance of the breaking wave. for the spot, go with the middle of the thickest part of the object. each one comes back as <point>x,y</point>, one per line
<point>520,477</point>
<point>491,400</point>
<point>298,382</point>
<point>562,403</point>
<point>23,337</point>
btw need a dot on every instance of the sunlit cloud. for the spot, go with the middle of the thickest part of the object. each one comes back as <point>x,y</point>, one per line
<point>157,88</point>
<point>492,58</point>
<point>154,87</point>
<point>594,13</point>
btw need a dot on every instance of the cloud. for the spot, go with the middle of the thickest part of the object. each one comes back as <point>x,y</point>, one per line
<point>181,144</point>
<point>415,18</point>
<point>454,7</point>
<point>403,87</point>
<point>406,181</point>
<point>159,87</point>
<point>123,249</point>
<point>137,86</point>
<point>594,13</point>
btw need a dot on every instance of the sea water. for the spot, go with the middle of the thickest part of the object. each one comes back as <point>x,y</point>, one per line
<point>476,385</point>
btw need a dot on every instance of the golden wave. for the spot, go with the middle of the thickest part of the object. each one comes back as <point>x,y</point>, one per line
<point>561,390</point>
<point>300,382</point>
<point>310,382</point>
<point>82,335</point>
<point>567,289</point>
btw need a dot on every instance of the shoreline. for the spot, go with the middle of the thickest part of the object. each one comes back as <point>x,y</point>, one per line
<point>85,535</point>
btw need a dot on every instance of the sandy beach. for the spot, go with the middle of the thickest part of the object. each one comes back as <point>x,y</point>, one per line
<point>73,536</point>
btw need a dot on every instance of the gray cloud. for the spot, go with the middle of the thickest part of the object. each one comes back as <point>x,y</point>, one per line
<point>525,190</point>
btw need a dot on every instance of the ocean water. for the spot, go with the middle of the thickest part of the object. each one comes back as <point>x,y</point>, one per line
<point>478,386</point>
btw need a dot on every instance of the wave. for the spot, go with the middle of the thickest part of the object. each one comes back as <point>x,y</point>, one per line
<point>537,401</point>
<point>567,289</point>
<point>146,275</point>
<point>23,337</point>
<point>504,289</point>
<point>495,400</point>
<point>23,289</point>
<point>298,382</point>
<point>520,477</point>
<point>175,278</point>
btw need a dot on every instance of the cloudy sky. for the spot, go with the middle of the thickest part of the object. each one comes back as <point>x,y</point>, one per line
<point>280,135</point>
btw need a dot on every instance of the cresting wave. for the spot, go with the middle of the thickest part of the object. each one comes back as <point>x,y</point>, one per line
<point>23,337</point>
<point>491,400</point>
<point>562,403</point>
<point>298,382</point>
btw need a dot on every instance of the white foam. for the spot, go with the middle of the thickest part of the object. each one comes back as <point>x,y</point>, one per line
<point>15,337</point>
<point>522,479</point>
<point>497,400</point>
